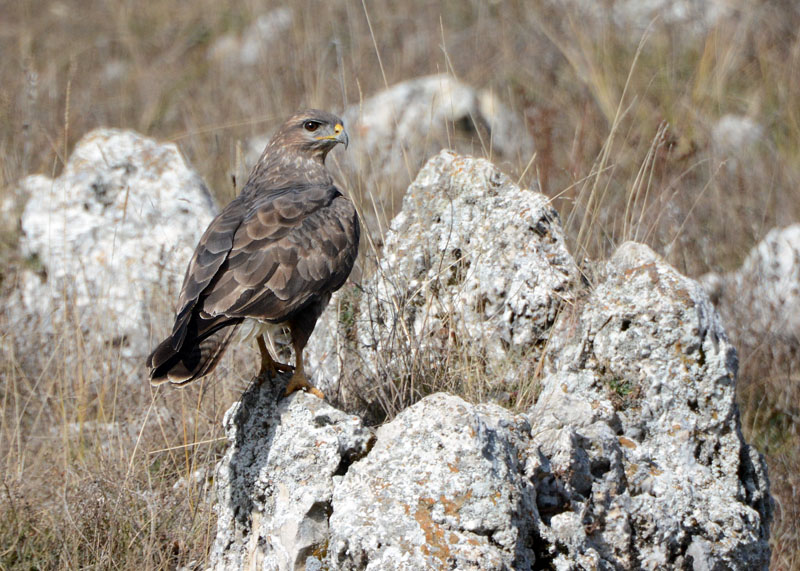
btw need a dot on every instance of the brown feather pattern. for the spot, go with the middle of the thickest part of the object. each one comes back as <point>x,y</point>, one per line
<point>275,253</point>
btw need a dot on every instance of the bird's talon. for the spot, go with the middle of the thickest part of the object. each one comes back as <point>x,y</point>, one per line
<point>297,383</point>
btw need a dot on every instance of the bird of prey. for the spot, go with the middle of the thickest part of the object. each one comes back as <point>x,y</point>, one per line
<point>275,254</point>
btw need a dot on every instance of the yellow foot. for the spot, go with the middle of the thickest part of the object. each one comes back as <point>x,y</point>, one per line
<point>298,382</point>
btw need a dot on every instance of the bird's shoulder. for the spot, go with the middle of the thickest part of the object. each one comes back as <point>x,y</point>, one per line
<point>270,216</point>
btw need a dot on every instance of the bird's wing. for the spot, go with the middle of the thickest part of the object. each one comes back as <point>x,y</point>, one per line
<point>288,248</point>
<point>209,256</point>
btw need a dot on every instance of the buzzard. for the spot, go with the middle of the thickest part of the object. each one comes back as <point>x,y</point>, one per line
<point>274,255</point>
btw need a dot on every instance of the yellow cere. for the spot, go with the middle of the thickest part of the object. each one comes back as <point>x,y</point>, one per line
<point>337,129</point>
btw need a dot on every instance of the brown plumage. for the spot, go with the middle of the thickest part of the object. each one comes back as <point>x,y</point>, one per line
<point>276,253</point>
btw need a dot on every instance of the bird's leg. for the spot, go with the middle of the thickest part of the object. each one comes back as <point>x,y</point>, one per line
<point>269,366</point>
<point>299,379</point>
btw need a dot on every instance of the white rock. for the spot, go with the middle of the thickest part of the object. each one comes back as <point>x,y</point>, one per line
<point>698,15</point>
<point>395,131</point>
<point>234,51</point>
<point>472,259</point>
<point>694,17</point>
<point>112,235</point>
<point>441,488</point>
<point>734,136</point>
<point>408,120</point>
<point>640,402</point>
<point>761,300</point>
<point>631,458</point>
<point>275,482</point>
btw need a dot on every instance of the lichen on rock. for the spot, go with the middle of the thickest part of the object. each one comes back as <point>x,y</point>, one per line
<point>640,461</point>
<point>472,260</point>
<point>632,456</point>
<point>442,488</point>
<point>275,483</point>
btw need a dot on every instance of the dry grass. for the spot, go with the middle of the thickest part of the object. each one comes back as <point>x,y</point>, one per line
<point>90,469</point>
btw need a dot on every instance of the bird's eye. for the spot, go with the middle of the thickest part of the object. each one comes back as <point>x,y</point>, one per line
<point>310,126</point>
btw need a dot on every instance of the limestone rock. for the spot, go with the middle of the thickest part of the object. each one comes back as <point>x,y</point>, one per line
<point>735,136</point>
<point>396,130</point>
<point>631,458</point>
<point>276,481</point>
<point>760,301</point>
<point>233,51</point>
<point>472,259</point>
<point>109,240</point>
<point>692,17</point>
<point>640,462</point>
<point>441,489</point>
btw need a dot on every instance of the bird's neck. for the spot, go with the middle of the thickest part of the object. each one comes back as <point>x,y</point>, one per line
<point>281,169</point>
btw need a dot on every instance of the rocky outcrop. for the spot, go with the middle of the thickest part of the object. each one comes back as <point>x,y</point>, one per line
<point>472,259</point>
<point>640,461</point>
<point>442,485</point>
<point>760,301</point>
<point>104,238</point>
<point>631,457</point>
<point>275,483</point>
<point>443,488</point>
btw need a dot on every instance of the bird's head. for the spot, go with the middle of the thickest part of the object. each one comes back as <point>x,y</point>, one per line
<point>311,132</point>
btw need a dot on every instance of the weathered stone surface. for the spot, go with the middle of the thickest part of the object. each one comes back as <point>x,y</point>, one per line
<point>631,458</point>
<point>275,482</point>
<point>471,259</point>
<point>109,236</point>
<point>760,301</point>
<point>640,462</point>
<point>441,489</point>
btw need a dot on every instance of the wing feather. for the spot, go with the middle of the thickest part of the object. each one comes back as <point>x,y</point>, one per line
<point>206,263</point>
<point>307,252</point>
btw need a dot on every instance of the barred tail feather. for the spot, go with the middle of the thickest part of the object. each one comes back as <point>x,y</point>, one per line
<point>203,344</point>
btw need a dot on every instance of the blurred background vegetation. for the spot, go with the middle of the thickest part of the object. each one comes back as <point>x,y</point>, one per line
<point>683,133</point>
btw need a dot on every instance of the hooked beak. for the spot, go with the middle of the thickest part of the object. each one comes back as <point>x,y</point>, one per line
<point>340,135</point>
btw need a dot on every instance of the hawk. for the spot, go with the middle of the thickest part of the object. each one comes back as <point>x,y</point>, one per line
<point>274,255</point>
